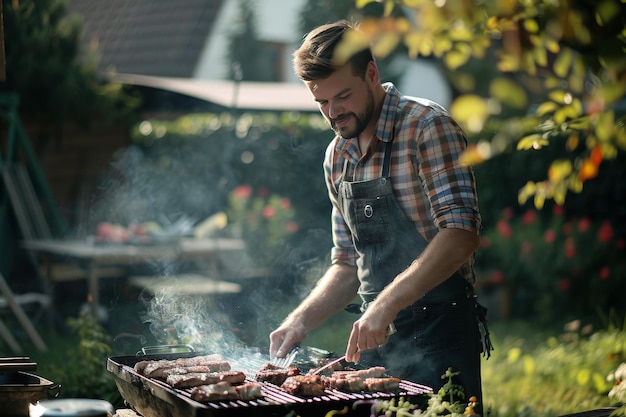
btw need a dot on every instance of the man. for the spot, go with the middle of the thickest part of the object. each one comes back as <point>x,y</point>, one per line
<point>405,222</point>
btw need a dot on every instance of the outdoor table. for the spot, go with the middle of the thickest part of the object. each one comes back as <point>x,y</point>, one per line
<point>99,257</point>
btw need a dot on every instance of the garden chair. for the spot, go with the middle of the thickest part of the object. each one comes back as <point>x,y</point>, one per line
<point>17,303</point>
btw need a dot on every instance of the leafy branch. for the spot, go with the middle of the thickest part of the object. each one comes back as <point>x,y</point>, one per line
<point>546,70</point>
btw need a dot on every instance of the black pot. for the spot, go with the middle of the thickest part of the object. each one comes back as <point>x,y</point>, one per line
<point>18,390</point>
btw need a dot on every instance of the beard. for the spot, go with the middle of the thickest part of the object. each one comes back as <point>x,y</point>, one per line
<point>361,120</point>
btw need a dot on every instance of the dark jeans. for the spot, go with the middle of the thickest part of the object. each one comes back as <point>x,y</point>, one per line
<point>438,332</point>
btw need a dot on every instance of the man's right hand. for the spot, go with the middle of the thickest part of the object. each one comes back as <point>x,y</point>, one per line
<point>284,338</point>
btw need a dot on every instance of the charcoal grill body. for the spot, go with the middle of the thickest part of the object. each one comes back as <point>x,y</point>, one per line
<point>153,398</point>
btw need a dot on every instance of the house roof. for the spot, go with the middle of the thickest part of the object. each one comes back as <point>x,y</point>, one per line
<point>243,95</point>
<point>163,37</point>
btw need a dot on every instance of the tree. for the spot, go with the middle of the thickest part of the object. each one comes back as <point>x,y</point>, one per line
<point>43,66</point>
<point>251,59</point>
<point>557,75</point>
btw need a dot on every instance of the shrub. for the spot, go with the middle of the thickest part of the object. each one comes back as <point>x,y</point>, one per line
<point>263,219</point>
<point>555,267</point>
<point>82,371</point>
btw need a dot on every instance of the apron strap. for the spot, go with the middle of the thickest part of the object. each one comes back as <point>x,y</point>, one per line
<point>387,159</point>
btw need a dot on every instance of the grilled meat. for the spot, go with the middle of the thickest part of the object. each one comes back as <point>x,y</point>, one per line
<point>195,379</point>
<point>249,391</point>
<point>382,384</point>
<point>214,392</point>
<point>348,384</point>
<point>275,375</point>
<point>157,368</point>
<point>373,372</point>
<point>304,385</point>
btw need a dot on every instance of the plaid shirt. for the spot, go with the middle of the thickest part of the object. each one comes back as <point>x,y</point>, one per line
<point>433,189</point>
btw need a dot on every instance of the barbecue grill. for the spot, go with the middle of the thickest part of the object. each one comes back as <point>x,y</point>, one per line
<point>154,398</point>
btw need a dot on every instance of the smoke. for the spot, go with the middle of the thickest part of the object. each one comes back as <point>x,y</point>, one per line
<point>174,318</point>
<point>159,187</point>
<point>165,183</point>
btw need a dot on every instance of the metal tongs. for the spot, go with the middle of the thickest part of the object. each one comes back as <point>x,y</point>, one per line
<point>288,359</point>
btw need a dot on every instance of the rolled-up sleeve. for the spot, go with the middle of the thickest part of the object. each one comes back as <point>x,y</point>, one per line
<point>449,185</point>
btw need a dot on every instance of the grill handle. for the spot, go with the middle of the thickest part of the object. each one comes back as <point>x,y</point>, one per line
<point>154,350</point>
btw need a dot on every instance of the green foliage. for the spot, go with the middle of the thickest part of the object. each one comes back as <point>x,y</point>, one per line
<point>82,371</point>
<point>43,67</point>
<point>543,69</point>
<point>618,391</point>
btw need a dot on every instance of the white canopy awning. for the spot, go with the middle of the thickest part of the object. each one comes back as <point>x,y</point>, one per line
<point>244,95</point>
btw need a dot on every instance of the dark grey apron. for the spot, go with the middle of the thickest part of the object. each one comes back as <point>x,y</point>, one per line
<point>440,330</point>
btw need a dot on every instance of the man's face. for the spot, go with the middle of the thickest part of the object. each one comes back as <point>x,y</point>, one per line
<point>346,101</point>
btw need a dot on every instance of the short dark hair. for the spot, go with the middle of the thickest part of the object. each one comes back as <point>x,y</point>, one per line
<point>316,58</point>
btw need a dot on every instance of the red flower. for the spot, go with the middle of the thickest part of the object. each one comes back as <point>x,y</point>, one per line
<point>285,203</point>
<point>620,243</point>
<point>529,217</point>
<point>485,242</point>
<point>527,247</point>
<point>292,227</point>
<point>549,236</point>
<point>263,192</point>
<point>605,234</point>
<point>504,228</point>
<point>243,191</point>
<point>269,212</point>
<point>564,284</point>
<point>558,210</point>
<point>570,248</point>
<point>583,224</point>
<point>567,229</point>
<point>605,271</point>
<point>496,277</point>
<point>507,213</point>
